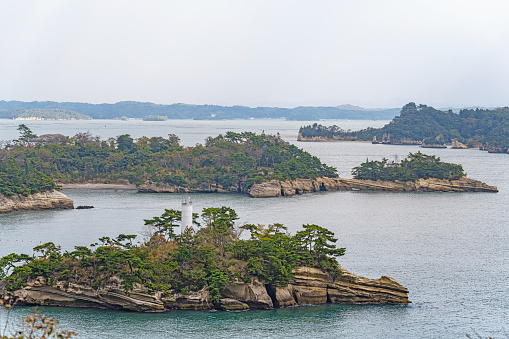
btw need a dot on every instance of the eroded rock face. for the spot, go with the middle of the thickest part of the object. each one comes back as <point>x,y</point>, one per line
<point>167,188</point>
<point>192,301</point>
<point>38,292</point>
<point>38,201</point>
<point>266,189</point>
<point>310,286</point>
<point>254,295</point>
<point>276,188</point>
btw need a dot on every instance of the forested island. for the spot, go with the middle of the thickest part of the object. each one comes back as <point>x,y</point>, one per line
<point>134,109</point>
<point>206,266</point>
<point>155,118</point>
<point>415,166</point>
<point>227,163</point>
<point>423,125</point>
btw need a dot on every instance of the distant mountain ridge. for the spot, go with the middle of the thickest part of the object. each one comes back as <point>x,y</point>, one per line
<point>134,109</point>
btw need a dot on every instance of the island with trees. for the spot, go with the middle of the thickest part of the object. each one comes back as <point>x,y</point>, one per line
<point>417,172</point>
<point>155,118</point>
<point>205,266</point>
<point>486,129</point>
<point>227,163</point>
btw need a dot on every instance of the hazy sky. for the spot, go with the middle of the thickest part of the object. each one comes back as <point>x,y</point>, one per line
<point>381,53</point>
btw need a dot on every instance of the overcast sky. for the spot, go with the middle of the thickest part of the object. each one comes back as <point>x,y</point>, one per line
<point>373,53</point>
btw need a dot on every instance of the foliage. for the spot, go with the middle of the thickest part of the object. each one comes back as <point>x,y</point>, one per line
<point>36,326</point>
<point>165,224</point>
<point>488,128</point>
<point>155,118</point>
<point>202,257</point>
<point>25,180</point>
<point>234,161</point>
<point>415,166</point>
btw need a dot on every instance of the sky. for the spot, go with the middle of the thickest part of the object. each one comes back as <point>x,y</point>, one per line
<point>371,53</point>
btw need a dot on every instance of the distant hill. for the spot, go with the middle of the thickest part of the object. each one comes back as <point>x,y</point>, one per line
<point>133,109</point>
<point>44,114</point>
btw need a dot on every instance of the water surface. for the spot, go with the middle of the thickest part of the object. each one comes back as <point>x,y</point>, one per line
<point>450,249</point>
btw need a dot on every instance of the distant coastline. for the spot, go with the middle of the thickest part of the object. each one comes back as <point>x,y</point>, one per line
<point>133,109</point>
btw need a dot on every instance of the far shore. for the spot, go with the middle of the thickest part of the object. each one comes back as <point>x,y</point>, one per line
<point>89,186</point>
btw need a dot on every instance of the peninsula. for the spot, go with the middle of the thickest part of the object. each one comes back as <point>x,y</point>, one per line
<point>207,266</point>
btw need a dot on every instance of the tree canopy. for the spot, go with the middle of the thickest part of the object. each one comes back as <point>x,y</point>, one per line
<point>234,161</point>
<point>486,128</point>
<point>415,166</point>
<point>207,255</point>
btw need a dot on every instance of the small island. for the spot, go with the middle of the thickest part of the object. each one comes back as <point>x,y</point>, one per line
<point>155,118</point>
<point>485,129</point>
<point>206,266</point>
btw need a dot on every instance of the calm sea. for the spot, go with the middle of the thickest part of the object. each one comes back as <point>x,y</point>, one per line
<point>450,249</point>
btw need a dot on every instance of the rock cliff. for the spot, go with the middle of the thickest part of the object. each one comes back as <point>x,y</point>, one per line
<point>276,188</point>
<point>311,286</point>
<point>38,201</point>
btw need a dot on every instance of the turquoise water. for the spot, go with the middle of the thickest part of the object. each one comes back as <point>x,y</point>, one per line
<point>450,249</point>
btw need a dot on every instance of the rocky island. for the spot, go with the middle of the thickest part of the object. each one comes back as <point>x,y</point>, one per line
<point>208,266</point>
<point>418,172</point>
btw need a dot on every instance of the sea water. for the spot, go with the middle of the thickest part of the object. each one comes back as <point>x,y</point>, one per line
<point>451,250</point>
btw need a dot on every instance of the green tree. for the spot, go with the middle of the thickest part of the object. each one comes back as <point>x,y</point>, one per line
<point>165,224</point>
<point>26,135</point>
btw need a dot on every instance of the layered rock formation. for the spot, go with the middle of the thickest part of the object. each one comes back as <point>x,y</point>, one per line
<point>277,188</point>
<point>311,286</point>
<point>38,201</point>
<point>167,188</point>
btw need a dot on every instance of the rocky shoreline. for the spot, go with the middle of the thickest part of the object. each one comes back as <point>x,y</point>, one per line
<point>277,188</point>
<point>310,286</point>
<point>39,201</point>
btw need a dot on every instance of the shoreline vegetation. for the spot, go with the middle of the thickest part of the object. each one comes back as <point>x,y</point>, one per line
<point>484,129</point>
<point>207,266</point>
